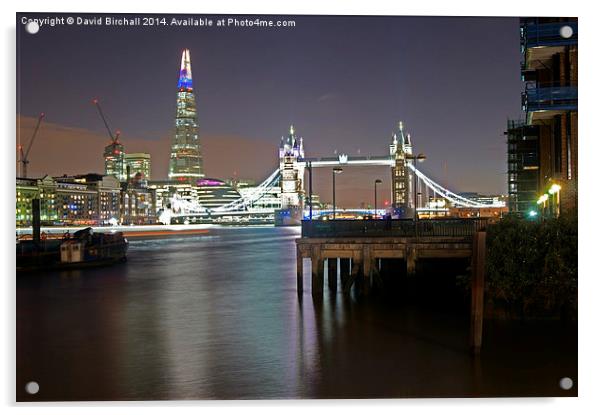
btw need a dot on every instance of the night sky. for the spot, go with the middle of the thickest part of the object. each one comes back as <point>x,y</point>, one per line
<point>344,82</point>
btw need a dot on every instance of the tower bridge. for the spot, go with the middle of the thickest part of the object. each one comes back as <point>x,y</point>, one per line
<point>410,188</point>
<point>409,185</point>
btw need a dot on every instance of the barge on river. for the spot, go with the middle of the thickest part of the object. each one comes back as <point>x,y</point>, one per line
<point>83,248</point>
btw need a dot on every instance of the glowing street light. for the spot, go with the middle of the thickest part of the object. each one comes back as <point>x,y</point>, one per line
<point>311,195</point>
<point>542,199</point>
<point>555,190</point>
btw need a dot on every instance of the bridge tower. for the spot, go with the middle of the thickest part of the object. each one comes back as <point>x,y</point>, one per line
<point>402,200</point>
<point>291,170</point>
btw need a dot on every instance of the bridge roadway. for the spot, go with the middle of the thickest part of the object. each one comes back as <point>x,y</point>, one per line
<point>353,248</point>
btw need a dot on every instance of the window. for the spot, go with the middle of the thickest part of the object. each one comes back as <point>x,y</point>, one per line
<point>569,170</point>
<point>557,142</point>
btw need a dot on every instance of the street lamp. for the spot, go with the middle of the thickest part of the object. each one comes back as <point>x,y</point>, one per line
<point>377,181</point>
<point>335,171</point>
<point>542,201</point>
<point>555,190</point>
<point>311,195</point>
<point>420,158</point>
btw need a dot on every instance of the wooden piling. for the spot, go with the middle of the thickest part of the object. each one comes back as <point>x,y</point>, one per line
<point>317,272</point>
<point>356,268</point>
<point>411,256</point>
<point>299,271</point>
<point>477,291</point>
<point>345,266</point>
<point>367,265</point>
<point>35,221</point>
<point>332,274</point>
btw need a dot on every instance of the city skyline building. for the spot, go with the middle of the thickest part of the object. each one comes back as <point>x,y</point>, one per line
<point>139,163</point>
<point>186,162</point>
<point>206,193</point>
<point>523,166</point>
<point>213,193</point>
<point>88,199</point>
<point>138,203</point>
<point>114,156</point>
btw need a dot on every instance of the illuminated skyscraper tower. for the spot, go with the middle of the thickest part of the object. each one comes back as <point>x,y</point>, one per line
<point>186,163</point>
<point>114,155</point>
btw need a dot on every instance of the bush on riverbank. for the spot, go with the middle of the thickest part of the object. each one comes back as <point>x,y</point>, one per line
<point>532,268</point>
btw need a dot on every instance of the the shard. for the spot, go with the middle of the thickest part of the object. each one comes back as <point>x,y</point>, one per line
<point>186,162</point>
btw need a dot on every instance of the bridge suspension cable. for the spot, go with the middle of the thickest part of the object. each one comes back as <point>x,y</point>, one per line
<point>448,194</point>
<point>258,193</point>
<point>261,190</point>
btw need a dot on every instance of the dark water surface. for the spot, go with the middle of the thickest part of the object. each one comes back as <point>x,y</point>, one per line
<point>217,316</point>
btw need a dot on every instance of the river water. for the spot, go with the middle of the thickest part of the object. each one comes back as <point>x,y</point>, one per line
<point>217,316</point>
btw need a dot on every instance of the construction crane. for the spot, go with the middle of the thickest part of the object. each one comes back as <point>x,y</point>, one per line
<point>115,145</point>
<point>23,156</point>
<point>114,138</point>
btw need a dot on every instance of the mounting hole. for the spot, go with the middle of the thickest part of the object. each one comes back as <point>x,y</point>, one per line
<point>32,388</point>
<point>566,383</point>
<point>32,27</point>
<point>566,32</point>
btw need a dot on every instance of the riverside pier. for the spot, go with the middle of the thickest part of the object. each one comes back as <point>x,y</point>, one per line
<point>354,249</point>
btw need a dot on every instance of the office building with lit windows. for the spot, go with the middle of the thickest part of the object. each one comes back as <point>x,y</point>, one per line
<point>138,163</point>
<point>207,192</point>
<point>114,156</point>
<point>542,148</point>
<point>186,163</point>
<point>26,191</point>
<point>213,193</point>
<point>523,166</point>
<point>90,199</point>
<point>138,204</point>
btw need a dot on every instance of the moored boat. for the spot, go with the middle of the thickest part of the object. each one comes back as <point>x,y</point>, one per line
<point>83,248</point>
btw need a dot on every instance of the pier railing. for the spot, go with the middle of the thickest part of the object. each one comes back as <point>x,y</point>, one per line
<point>391,228</point>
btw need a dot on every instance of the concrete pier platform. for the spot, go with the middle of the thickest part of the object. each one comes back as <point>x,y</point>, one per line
<point>354,249</point>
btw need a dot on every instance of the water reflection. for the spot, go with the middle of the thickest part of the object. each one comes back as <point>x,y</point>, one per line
<point>217,316</point>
